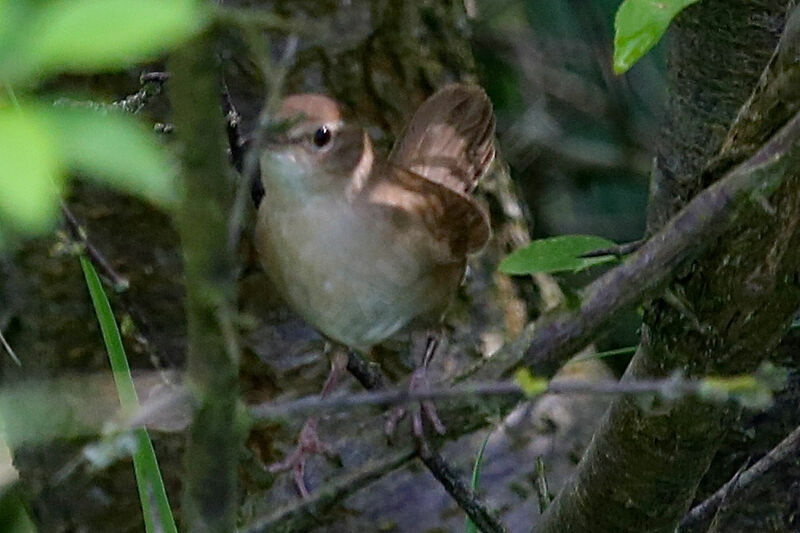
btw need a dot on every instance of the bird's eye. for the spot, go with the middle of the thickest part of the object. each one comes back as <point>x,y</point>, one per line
<point>322,137</point>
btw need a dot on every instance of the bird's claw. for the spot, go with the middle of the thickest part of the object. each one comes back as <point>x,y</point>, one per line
<point>308,443</point>
<point>425,408</point>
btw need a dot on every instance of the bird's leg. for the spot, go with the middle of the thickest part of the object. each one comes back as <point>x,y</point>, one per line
<point>308,442</point>
<point>419,382</point>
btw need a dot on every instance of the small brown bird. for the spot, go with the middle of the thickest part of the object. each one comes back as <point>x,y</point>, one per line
<point>363,247</point>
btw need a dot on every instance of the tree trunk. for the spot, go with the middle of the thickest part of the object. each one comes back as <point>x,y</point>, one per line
<point>723,314</point>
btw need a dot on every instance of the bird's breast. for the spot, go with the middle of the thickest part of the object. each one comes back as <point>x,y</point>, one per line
<point>357,275</point>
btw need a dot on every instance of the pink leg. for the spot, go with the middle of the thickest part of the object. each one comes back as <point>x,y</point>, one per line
<point>308,442</point>
<point>425,408</point>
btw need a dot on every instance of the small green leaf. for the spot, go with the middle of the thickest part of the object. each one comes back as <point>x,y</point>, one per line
<point>556,254</point>
<point>531,385</point>
<point>30,177</point>
<point>116,150</point>
<point>88,35</point>
<point>639,25</point>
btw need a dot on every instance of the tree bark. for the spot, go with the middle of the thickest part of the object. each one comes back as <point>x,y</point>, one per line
<point>210,481</point>
<point>722,315</point>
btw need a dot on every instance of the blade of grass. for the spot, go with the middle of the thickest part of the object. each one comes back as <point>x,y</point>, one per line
<point>155,505</point>
<point>469,525</point>
<point>628,350</point>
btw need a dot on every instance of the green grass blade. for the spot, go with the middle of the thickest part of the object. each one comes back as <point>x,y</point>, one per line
<point>627,350</point>
<point>469,525</point>
<point>155,505</point>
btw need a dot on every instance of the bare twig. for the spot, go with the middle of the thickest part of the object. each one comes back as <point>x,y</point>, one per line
<point>8,349</point>
<point>479,513</point>
<point>150,87</point>
<point>118,282</point>
<point>710,389</point>
<point>542,489</point>
<point>619,250</point>
<point>246,160</point>
<point>304,514</point>
<point>705,510</point>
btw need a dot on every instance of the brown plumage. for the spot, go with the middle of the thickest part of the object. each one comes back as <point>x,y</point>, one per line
<point>362,246</point>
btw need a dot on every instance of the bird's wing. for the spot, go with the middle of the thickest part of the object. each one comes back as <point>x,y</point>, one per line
<point>451,217</point>
<point>450,139</point>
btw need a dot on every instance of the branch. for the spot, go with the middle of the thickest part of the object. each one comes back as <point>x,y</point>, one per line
<point>672,387</point>
<point>684,237</point>
<point>486,520</point>
<point>704,511</point>
<point>304,514</point>
<point>118,283</point>
<point>211,457</point>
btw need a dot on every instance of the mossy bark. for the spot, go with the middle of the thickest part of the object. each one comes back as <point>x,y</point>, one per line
<point>724,313</point>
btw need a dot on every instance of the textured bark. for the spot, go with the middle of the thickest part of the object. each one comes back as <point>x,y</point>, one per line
<point>210,486</point>
<point>726,311</point>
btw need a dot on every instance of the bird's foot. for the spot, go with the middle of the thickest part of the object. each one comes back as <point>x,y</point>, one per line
<point>424,408</point>
<point>308,443</point>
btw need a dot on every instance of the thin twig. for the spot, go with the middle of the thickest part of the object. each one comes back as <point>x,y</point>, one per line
<point>78,233</point>
<point>150,87</point>
<point>542,489</point>
<point>8,349</point>
<point>670,387</point>
<point>304,514</point>
<point>619,250</point>
<point>245,157</point>
<point>486,520</point>
<point>705,510</point>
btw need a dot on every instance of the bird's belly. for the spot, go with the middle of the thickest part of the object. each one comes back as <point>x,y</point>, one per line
<point>348,276</point>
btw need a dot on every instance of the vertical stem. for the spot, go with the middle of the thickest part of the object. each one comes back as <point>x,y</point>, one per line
<point>212,361</point>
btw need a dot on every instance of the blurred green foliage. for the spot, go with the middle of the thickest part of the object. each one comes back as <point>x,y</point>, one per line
<point>40,145</point>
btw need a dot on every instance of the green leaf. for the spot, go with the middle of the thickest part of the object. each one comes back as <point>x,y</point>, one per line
<point>531,385</point>
<point>639,25</point>
<point>90,35</point>
<point>157,517</point>
<point>556,254</point>
<point>30,174</point>
<point>114,149</point>
<point>15,516</point>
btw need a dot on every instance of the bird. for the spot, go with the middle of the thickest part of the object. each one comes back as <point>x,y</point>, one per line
<point>364,246</point>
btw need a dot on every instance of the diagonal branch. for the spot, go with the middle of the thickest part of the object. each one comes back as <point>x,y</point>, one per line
<point>703,511</point>
<point>557,335</point>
